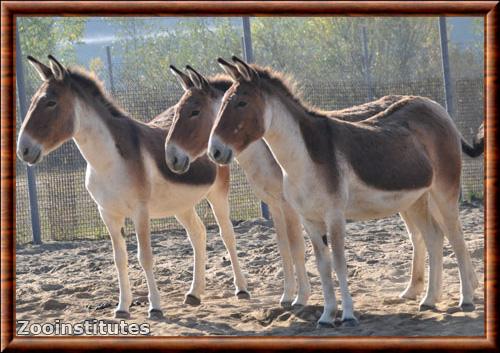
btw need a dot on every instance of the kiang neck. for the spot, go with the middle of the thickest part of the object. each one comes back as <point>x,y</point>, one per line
<point>284,137</point>
<point>93,138</point>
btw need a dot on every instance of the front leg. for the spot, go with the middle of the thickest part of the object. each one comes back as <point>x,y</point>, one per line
<point>317,232</point>
<point>114,224</point>
<point>145,256</point>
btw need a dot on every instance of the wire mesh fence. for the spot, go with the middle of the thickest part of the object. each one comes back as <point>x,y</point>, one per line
<point>67,211</point>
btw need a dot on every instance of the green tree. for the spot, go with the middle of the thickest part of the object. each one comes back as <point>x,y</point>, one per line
<point>40,36</point>
<point>147,49</point>
<point>332,48</point>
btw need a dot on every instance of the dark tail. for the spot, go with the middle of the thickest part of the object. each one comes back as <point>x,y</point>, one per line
<point>477,147</point>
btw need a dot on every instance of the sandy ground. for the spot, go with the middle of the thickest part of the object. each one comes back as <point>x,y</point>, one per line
<point>76,281</point>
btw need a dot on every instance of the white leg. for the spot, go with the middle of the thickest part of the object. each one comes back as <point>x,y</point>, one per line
<point>145,256</point>
<point>423,220</point>
<point>114,224</point>
<point>198,237</point>
<point>286,258</point>
<point>416,284</point>
<point>298,252</point>
<point>453,231</point>
<point>220,207</point>
<point>317,232</point>
<point>336,230</point>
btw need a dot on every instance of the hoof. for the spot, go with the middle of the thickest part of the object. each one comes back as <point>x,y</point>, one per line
<point>351,322</point>
<point>298,306</point>
<point>122,314</point>
<point>192,300</point>
<point>155,314</point>
<point>286,305</point>
<point>467,307</point>
<point>243,295</point>
<point>409,296</point>
<point>322,324</point>
<point>426,307</point>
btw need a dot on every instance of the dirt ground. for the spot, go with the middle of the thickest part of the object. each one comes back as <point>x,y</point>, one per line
<point>76,281</point>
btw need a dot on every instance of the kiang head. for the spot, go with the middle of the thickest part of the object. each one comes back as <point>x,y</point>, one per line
<point>240,120</point>
<point>50,120</point>
<point>194,116</point>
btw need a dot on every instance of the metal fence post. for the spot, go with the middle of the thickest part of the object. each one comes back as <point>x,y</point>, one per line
<point>248,56</point>
<point>448,89</point>
<point>366,63</point>
<point>110,70</point>
<point>32,192</point>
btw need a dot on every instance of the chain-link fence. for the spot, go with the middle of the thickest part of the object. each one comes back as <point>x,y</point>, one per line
<point>67,211</point>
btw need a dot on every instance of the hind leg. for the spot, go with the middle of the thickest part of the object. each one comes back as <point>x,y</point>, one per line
<point>113,224</point>
<point>198,237</point>
<point>416,284</point>
<point>448,207</point>
<point>298,251</point>
<point>145,256</point>
<point>220,206</point>
<point>432,235</point>
<point>286,258</point>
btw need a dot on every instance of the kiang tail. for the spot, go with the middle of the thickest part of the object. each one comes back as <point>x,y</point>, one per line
<point>477,147</point>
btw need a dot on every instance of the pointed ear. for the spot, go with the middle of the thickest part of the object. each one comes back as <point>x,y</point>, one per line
<point>247,72</point>
<point>58,70</point>
<point>183,79</point>
<point>42,69</point>
<point>230,69</point>
<point>199,81</point>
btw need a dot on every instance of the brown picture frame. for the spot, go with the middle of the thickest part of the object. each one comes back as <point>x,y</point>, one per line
<point>11,9</point>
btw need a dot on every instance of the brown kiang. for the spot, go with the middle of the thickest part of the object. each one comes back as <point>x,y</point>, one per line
<point>126,173</point>
<point>405,159</point>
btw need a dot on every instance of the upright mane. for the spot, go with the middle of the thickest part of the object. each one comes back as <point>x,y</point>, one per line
<point>94,87</point>
<point>222,82</point>
<point>287,85</point>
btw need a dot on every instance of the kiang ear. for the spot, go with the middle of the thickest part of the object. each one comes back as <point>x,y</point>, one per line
<point>183,79</point>
<point>247,72</point>
<point>42,69</point>
<point>199,81</point>
<point>230,69</point>
<point>58,70</point>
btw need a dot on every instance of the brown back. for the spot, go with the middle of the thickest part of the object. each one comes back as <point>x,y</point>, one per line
<point>384,152</point>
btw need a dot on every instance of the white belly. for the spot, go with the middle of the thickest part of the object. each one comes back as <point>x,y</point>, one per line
<point>366,202</point>
<point>358,202</point>
<point>119,193</point>
<point>168,199</point>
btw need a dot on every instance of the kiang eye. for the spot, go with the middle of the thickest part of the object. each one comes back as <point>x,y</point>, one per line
<point>51,104</point>
<point>241,104</point>
<point>195,113</point>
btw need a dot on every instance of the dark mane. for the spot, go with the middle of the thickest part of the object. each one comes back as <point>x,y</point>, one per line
<point>221,82</point>
<point>93,86</point>
<point>130,136</point>
<point>288,86</point>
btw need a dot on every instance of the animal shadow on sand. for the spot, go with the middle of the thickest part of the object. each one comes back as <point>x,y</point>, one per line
<point>302,321</point>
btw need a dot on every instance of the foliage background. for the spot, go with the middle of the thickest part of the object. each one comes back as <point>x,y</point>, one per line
<point>337,61</point>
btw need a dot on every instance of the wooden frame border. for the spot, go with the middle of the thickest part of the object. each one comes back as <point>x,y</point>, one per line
<point>11,9</point>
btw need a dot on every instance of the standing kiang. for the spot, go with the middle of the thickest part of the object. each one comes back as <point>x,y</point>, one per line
<point>187,141</point>
<point>406,159</point>
<point>127,175</point>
